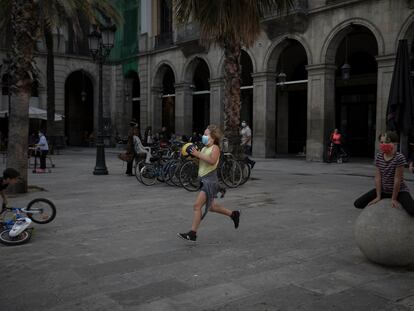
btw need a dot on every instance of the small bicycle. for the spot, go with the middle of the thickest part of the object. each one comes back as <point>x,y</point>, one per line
<point>14,225</point>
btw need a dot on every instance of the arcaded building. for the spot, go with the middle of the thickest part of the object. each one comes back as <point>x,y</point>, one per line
<point>161,75</point>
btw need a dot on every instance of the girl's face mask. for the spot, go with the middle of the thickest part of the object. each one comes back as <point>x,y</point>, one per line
<point>387,148</point>
<point>204,140</point>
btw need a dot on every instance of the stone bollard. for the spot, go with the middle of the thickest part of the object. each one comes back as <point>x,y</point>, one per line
<point>385,235</point>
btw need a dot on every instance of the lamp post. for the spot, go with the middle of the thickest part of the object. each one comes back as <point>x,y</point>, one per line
<point>100,45</point>
<point>346,68</point>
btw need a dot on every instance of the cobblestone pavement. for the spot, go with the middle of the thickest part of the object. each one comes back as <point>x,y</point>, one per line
<point>113,245</point>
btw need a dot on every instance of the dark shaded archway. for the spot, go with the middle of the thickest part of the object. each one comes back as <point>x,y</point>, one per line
<point>246,89</point>
<point>201,96</point>
<point>291,107</point>
<point>168,100</point>
<point>79,113</point>
<point>133,94</point>
<point>356,96</point>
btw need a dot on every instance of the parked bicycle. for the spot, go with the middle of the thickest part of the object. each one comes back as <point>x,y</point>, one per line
<point>15,226</point>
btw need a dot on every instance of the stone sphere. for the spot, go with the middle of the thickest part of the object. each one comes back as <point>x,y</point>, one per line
<point>385,235</point>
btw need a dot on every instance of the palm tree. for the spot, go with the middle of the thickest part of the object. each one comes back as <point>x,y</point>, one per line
<point>29,19</point>
<point>25,29</point>
<point>230,24</point>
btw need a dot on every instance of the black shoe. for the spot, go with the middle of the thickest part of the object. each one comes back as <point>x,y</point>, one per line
<point>189,236</point>
<point>235,216</point>
<point>252,164</point>
<point>223,192</point>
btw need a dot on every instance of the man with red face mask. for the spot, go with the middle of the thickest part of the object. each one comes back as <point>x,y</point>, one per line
<point>389,177</point>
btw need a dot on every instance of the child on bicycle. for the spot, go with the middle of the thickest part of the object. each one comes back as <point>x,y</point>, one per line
<point>10,177</point>
<point>209,158</point>
<point>389,177</point>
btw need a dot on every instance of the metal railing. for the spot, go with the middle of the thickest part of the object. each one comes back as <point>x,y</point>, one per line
<point>299,6</point>
<point>188,32</point>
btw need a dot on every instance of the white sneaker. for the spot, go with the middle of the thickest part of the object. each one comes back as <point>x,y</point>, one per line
<point>19,226</point>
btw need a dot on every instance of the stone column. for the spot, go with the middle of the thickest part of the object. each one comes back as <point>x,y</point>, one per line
<point>282,124</point>
<point>385,71</point>
<point>321,109</point>
<point>183,109</point>
<point>216,102</point>
<point>155,109</point>
<point>264,114</point>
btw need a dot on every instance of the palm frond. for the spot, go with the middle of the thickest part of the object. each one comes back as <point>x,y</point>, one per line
<point>227,20</point>
<point>5,14</point>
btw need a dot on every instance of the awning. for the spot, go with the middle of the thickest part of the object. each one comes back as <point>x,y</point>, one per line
<point>34,113</point>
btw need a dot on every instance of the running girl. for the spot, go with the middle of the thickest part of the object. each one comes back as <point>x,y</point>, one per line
<point>209,158</point>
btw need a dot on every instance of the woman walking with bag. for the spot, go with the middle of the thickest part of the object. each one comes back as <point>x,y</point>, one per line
<point>209,158</point>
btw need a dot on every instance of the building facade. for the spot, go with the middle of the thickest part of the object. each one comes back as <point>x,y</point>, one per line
<point>160,75</point>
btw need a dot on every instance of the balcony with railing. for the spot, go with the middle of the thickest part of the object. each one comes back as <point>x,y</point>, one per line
<point>188,37</point>
<point>292,19</point>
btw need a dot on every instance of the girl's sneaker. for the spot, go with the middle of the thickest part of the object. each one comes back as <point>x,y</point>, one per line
<point>189,236</point>
<point>235,216</point>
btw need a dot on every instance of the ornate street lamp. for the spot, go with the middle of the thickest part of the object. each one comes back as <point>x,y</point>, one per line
<point>100,45</point>
<point>83,93</point>
<point>346,68</point>
<point>281,77</point>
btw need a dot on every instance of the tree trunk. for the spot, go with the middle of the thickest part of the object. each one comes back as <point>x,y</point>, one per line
<point>232,105</point>
<point>25,31</point>
<point>50,76</point>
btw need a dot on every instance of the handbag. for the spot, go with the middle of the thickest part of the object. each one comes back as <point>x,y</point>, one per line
<point>125,156</point>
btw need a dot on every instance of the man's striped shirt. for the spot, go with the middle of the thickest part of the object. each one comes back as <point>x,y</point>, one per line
<point>387,171</point>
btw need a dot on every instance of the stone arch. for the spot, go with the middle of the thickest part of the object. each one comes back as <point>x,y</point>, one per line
<point>85,71</point>
<point>191,65</point>
<point>220,67</point>
<point>273,53</point>
<point>406,31</point>
<point>88,67</point>
<point>160,70</point>
<point>335,37</point>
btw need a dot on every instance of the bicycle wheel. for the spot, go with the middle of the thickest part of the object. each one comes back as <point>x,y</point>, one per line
<point>138,167</point>
<point>170,172</point>
<point>41,211</point>
<point>165,170</point>
<point>148,175</point>
<point>175,173</point>
<point>22,238</point>
<point>329,154</point>
<point>231,173</point>
<point>246,170</point>
<point>189,176</point>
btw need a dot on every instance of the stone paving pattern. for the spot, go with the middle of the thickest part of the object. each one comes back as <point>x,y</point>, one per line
<point>113,245</point>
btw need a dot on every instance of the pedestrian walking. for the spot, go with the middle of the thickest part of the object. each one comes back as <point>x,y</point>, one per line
<point>389,177</point>
<point>43,148</point>
<point>133,127</point>
<point>246,143</point>
<point>209,157</point>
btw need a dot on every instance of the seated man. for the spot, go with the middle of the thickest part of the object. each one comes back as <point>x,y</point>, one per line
<point>139,147</point>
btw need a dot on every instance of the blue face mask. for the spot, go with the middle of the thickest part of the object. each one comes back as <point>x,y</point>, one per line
<point>204,139</point>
